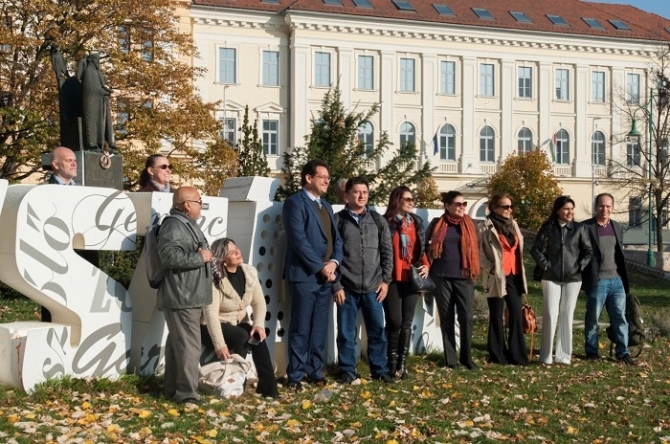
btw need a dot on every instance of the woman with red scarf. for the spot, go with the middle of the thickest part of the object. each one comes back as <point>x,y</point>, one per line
<point>407,235</point>
<point>454,253</point>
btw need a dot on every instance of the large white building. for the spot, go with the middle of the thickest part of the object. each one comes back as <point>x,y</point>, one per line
<point>469,82</point>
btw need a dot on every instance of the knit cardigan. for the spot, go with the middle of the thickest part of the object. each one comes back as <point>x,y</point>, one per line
<point>227,306</point>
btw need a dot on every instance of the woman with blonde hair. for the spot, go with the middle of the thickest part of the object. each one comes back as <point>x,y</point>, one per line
<point>504,280</point>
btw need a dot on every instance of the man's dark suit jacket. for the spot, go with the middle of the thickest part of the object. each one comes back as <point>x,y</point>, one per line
<point>306,241</point>
<point>591,272</point>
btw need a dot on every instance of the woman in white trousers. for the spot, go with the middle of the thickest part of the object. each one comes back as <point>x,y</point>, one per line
<point>562,249</point>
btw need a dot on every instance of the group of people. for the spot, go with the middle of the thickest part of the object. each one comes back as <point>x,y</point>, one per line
<point>363,261</point>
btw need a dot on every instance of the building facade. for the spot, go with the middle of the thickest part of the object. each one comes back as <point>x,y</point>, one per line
<point>468,82</point>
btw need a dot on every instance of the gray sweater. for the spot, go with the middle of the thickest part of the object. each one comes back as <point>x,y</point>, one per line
<point>368,257</point>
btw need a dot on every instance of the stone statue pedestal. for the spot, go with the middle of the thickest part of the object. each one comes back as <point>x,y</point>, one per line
<point>90,171</point>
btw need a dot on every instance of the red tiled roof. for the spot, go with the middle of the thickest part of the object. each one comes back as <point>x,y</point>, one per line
<point>643,25</point>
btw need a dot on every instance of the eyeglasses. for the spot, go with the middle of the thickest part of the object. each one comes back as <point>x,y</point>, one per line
<point>165,166</point>
<point>194,201</point>
<point>408,199</point>
<point>459,204</point>
<point>326,178</point>
<point>506,207</point>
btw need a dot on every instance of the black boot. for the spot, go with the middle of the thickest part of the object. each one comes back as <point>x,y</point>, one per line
<point>405,337</point>
<point>392,351</point>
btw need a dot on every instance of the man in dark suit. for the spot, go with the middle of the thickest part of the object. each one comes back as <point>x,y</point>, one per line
<point>605,281</point>
<point>313,254</point>
<point>64,166</point>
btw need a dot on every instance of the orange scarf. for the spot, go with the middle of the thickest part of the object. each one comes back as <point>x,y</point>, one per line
<point>469,244</point>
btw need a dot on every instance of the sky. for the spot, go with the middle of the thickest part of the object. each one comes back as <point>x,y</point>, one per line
<point>659,7</point>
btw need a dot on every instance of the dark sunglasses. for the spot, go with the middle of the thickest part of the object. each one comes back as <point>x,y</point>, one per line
<point>459,204</point>
<point>506,207</point>
<point>408,199</point>
<point>165,166</point>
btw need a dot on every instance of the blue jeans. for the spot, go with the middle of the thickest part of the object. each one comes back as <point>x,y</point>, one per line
<point>607,293</point>
<point>373,316</point>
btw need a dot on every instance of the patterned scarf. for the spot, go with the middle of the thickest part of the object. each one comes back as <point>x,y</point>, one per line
<point>504,226</point>
<point>162,188</point>
<point>469,243</point>
<point>406,226</point>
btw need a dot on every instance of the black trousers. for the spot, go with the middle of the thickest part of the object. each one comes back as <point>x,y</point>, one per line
<point>399,306</point>
<point>455,297</point>
<point>237,340</point>
<point>514,350</point>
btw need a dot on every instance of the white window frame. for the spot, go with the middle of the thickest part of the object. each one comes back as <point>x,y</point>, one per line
<point>633,154</point>
<point>487,145</point>
<point>447,77</point>
<point>266,147</point>
<point>562,84</point>
<point>226,130</point>
<point>487,80</point>
<point>318,66</point>
<point>562,147</point>
<point>407,136</point>
<point>525,82</point>
<point>219,62</point>
<point>367,72</point>
<point>633,88</point>
<point>406,84</point>
<point>366,136</point>
<point>524,143</point>
<point>598,79</point>
<point>598,148</point>
<point>447,143</point>
<point>266,67</point>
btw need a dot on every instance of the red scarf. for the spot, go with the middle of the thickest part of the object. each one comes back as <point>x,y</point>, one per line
<point>469,243</point>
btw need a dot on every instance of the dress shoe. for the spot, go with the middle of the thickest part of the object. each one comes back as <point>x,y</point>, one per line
<point>189,401</point>
<point>592,357</point>
<point>347,378</point>
<point>471,366</point>
<point>626,359</point>
<point>294,386</point>
<point>385,378</point>
<point>319,382</point>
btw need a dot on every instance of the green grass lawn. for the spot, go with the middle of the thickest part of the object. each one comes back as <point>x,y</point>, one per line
<point>586,402</point>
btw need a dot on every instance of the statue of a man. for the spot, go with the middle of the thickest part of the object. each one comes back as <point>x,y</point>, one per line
<point>96,111</point>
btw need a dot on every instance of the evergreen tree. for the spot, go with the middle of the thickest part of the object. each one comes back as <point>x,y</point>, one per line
<point>252,161</point>
<point>529,179</point>
<point>334,139</point>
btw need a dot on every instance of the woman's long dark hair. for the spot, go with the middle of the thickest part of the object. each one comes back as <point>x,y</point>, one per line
<point>395,202</point>
<point>558,204</point>
<point>144,175</point>
<point>219,249</point>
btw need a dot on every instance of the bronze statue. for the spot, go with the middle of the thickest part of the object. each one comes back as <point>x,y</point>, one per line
<point>97,130</point>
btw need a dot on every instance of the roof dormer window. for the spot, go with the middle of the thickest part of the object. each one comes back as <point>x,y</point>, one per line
<point>557,20</point>
<point>520,17</point>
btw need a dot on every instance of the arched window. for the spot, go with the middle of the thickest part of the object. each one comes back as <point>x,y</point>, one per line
<point>366,137</point>
<point>598,148</point>
<point>562,147</point>
<point>487,144</point>
<point>447,143</point>
<point>525,137</point>
<point>407,134</point>
<point>482,211</point>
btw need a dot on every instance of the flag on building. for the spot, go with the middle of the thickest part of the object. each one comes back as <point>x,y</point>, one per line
<point>552,148</point>
<point>436,146</point>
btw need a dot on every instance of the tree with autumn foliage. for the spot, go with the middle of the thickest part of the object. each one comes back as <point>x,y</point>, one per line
<point>427,194</point>
<point>529,179</point>
<point>142,57</point>
<point>334,139</point>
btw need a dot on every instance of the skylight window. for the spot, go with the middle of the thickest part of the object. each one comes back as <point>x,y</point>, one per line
<point>618,24</point>
<point>668,29</point>
<point>443,9</point>
<point>333,2</point>
<point>557,20</point>
<point>270,1</point>
<point>520,17</point>
<point>403,5</point>
<point>363,3</point>
<point>483,13</point>
<point>593,23</point>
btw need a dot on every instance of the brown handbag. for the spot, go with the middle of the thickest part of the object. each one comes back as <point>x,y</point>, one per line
<point>528,320</point>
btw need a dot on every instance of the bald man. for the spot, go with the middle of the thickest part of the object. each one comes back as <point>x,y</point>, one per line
<point>64,166</point>
<point>185,290</point>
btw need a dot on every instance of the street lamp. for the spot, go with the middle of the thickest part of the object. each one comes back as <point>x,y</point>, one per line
<point>634,134</point>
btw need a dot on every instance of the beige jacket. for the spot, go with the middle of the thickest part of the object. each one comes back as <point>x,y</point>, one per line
<point>490,258</point>
<point>227,306</point>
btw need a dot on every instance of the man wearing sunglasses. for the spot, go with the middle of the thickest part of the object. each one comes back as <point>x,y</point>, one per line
<point>184,291</point>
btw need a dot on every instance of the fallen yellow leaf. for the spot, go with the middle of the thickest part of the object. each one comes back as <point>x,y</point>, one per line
<point>292,422</point>
<point>173,412</point>
<point>86,405</point>
<point>211,433</point>
<point>572,431</point>
<point>144,414</point>
<point>306,404</point>
<point>391,441</point>
<point>12,419</point>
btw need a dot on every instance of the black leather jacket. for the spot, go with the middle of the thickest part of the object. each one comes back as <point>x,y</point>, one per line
<point>562,252</point>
